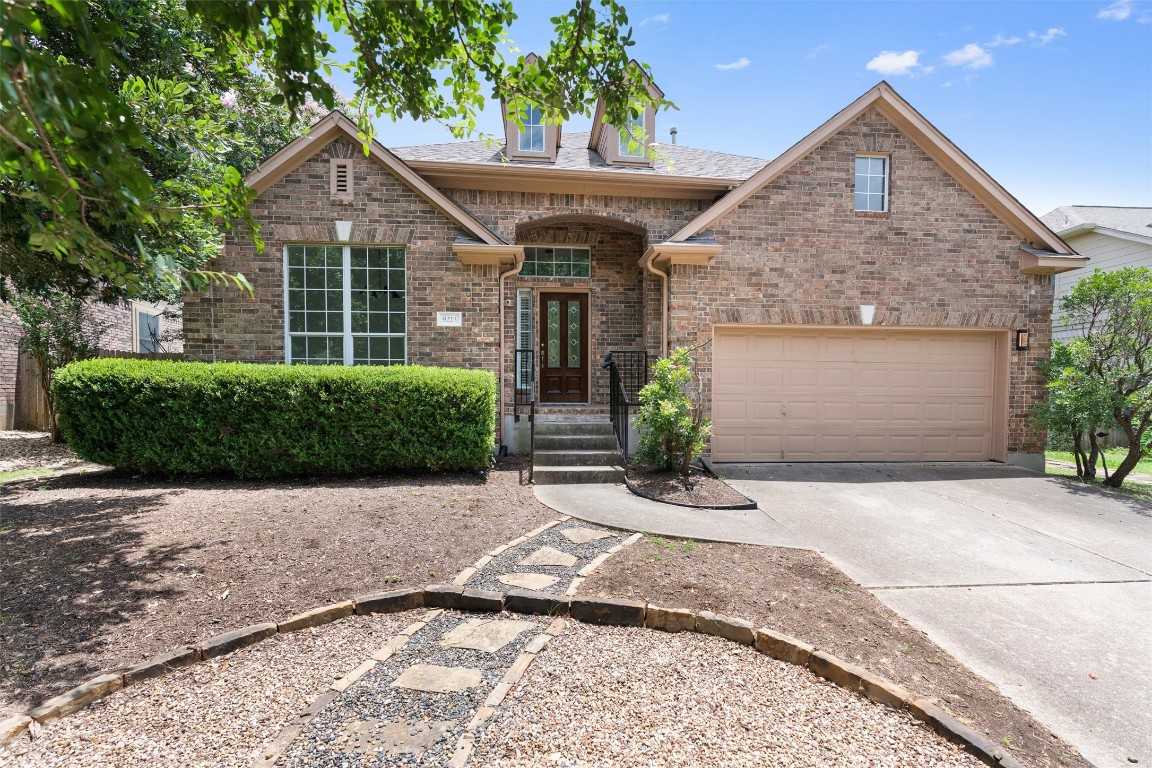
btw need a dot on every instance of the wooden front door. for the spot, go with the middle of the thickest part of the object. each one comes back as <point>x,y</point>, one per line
<point>564,348</point>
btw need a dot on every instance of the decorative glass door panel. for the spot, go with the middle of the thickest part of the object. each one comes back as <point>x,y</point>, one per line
<point>564,347</point>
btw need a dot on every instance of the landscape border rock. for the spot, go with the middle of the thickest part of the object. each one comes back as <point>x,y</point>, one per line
<point>592,610</point>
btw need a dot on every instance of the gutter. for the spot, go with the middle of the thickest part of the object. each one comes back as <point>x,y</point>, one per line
<point>647,261</point>
<point>500,347</point>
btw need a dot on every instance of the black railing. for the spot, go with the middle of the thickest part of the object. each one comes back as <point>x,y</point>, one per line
<point>627,375</point>
<point>524,398</point>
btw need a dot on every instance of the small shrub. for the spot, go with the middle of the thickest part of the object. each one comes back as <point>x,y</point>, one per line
<point>262,421</point>
<point>672,427</point>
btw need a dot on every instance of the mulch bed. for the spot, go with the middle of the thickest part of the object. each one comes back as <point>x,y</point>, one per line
<point>105,570</point>
<point>800,593</point>
<point>701,488</point>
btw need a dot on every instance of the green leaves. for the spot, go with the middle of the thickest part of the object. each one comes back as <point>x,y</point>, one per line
<point>179,418</point>
<point>673,430</point>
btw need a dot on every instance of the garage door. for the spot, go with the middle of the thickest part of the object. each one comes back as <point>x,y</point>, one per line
<point>853,395</point>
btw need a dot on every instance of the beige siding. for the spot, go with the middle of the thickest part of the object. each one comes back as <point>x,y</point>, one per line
<point>790,394</point>
<point>1105,252</point>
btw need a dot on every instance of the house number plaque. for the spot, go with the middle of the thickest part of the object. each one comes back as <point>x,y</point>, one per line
<point>449,319</point>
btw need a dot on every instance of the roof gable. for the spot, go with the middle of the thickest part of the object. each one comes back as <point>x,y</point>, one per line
<point>336,124</point>
<point>926,136</point>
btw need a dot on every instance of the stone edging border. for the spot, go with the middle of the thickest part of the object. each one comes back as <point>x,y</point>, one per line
<point>590,610</point>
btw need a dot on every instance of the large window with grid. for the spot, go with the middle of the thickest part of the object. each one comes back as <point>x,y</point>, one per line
<point>552,261</point>
<point>871,183</point>
<point>345,305</point>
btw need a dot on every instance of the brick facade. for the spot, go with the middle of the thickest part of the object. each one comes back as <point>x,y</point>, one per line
<point>794,253</point>
<point>797,253</point>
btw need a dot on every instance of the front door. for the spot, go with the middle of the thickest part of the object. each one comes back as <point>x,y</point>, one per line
<point>564,347</point>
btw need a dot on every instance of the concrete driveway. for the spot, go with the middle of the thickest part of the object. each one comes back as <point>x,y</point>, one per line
<point>1039,585</point>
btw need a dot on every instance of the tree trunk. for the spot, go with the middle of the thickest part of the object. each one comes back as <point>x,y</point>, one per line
<point>1135,442</point>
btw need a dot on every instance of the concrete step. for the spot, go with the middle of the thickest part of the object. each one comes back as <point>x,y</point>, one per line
<point>565,475</point>
<point>575,442</point>
<point>552,428</point>
<point>574,458</point>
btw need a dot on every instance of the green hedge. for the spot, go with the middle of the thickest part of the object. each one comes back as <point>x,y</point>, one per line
<point>260,421</point>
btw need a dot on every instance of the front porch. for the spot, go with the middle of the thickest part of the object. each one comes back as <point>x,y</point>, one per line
<point>580,294</point>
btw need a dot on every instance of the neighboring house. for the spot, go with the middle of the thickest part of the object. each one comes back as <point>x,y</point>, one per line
<point>135,327</point>
<point>1112,237</point>
<point>857,298</point>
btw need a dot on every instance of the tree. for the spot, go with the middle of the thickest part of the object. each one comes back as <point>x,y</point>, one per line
<point>1077,407</point>
<point>57,329</point>
<point>1109,367</point>
<point>124,139</point>
<point>672,426</point>
<point>118,168</point>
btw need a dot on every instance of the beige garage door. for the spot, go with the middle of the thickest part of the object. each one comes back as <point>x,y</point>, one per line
<point>853,395</point>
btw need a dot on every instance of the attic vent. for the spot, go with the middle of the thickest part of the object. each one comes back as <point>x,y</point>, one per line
<point>342,179</point>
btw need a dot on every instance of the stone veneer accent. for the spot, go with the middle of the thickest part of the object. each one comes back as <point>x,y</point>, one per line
<point>794,253</point>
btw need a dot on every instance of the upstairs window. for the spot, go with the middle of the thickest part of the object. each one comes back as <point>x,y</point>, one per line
<point>532,134</point>
<point>871,183</point>
<point>631,141</point>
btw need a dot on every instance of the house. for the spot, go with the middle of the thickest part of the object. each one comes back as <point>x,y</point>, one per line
<point>132,327</point>
<point>870,294</point>
<point>1112,237</point>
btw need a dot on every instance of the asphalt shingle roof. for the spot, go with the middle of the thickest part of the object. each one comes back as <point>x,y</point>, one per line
<point>1136,221</point>
<point>574,154</point>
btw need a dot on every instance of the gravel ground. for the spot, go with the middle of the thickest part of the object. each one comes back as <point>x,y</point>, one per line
<point>344,734</point>
<point>216,713</point>
<point>606,696</point>
<point>507,561</point>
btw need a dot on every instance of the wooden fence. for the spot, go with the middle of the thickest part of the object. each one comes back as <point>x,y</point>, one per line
<point>32,401</point>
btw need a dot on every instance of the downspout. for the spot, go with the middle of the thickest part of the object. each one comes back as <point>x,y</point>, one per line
<point>648,260</point>
<point>500,335</point>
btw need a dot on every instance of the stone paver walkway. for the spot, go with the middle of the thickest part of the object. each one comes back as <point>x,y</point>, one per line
<point>420,698</point>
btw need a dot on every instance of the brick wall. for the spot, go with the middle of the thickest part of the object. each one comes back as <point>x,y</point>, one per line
<point>9,353</point>
<point>797,253</point>
<point>225,324</point>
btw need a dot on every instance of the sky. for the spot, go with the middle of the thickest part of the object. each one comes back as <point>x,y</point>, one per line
<point>1053,99</point>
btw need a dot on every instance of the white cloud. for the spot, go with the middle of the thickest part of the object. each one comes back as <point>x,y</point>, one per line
<point>1053,33</point>
<point>971,56</point>
<point>896,63</point>
<point>740,63</point>
<point>661,18</point>
<point>1118,11</point>
<point>1000,40</point>
<point>822,48</point>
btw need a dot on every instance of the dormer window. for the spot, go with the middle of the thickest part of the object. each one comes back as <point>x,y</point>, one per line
<point>632,138</point>
<point>532,134</point>
<point>533,139</point>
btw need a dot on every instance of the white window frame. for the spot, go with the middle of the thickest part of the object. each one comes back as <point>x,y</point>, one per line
<point>856,178</point>
<point>533,111</point>
<point>346,257</point>
<point>147,308</point>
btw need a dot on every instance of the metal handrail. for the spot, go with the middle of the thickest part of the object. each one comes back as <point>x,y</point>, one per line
<point>627,375</point>
<point>524,399</point>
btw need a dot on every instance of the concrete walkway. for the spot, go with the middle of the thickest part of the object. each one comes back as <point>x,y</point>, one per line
<point>617,507</point>
<point>1039,584</point>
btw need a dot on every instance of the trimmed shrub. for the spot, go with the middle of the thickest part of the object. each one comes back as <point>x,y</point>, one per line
<point>261,421</point>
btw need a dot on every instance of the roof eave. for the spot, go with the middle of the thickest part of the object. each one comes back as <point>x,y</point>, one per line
<point>927,137</point>
<point>1034,261</point>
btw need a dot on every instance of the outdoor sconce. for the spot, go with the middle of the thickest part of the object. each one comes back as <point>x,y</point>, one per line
<point>1022,338</point>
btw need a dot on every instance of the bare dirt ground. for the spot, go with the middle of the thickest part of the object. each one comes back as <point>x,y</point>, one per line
<point>102,570</point>
<point>701,487</point>
<point>801,594</point>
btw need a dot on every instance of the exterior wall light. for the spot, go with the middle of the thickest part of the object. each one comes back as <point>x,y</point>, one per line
<point>1023,338</point>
